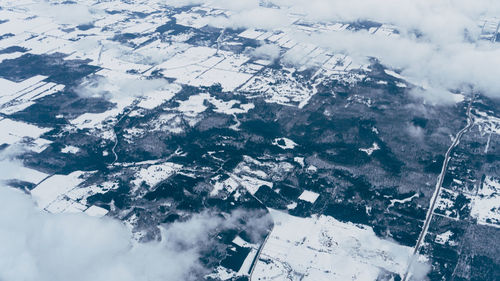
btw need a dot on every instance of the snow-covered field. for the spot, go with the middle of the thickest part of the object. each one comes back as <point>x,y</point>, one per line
<point>12,132</point>
<point>486,204</point>
<point>53,188</point>
<point>309,196</point>
<point>323,248</point>
<point>154,174</point>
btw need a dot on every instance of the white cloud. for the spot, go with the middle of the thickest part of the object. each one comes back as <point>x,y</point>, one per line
<point>444,56</point>
<point>261,18</point>
<point>436,96</point>
<point>418,270</point>
<point>57,247</point>
<point>267,51</point>
<point>416,132</point>
<point>64,13</point>
<point>10,169</point>
<point>119,86</point>
<point>182,3</point>
<point>437,67</point>
<point>223,4</point>
<point>42,246</point>
<point>438,19</point>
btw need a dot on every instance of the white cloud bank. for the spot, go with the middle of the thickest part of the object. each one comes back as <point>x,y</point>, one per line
<point>39,246</point>
<point>63,13</point>
<point>437,48</point>
<point>445,55</point>
<point>119,86</point>
<point>435,67</point>
<point>47,247</point>
<point>267,51</point>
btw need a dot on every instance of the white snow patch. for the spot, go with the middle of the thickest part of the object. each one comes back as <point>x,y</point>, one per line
<point>54,187</point>
<point>14,170</point>
<point>288,143</point>
<point>229,185</point>
<point>444,237</point>
<point>299,160</point>
<point>247,263</point>
<point>312,169</point>
<point>394,74</point>
<point>11,89</point>
<point>322,248</point>
<point>65,206</point>
<point>488,124</point>
<point>251,33</point>
<point>240,242</point>
<point>14,131</point>
<point>309,196</point>
<point>96,211</point>
<point>155,98</point>
<point>194,105</point>
<point>486,204</point>
<point>371,149</point>
<point>229,107</point>
<point>402,201</point>
<point>222,273</point>
<point>70,149</point>
<point>252,184</point>
<point>154,174</point>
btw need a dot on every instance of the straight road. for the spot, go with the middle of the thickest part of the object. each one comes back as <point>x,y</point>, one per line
<point>437,190</point>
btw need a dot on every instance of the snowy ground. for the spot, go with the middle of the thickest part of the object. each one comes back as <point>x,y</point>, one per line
<point>486,204</point>
<point>322,248</point>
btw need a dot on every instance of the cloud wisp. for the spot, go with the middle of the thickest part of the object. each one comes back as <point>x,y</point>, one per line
<point>64,13</point>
